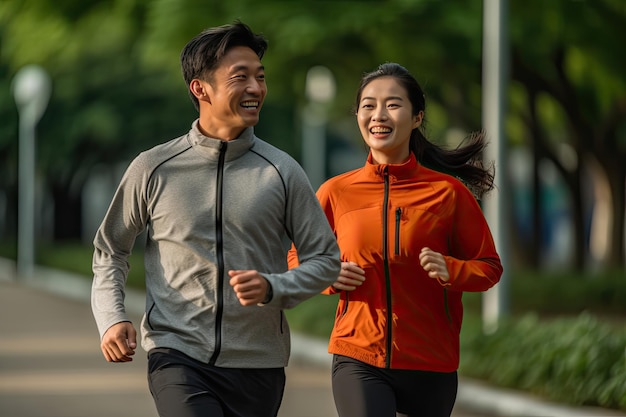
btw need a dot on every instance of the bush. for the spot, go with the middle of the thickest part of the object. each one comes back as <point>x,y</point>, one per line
<point>562,292</point>
<point>576,360</point>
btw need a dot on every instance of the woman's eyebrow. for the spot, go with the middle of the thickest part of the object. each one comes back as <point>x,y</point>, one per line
<point>386,98</point>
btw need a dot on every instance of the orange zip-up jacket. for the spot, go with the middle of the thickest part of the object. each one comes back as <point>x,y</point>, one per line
<point>383,215</point>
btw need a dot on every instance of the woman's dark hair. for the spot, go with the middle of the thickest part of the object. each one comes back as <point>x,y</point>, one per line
<point>203,53</point>
<point>464,162</point>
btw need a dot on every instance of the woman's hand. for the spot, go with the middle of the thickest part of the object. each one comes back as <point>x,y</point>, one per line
<point>350,277</point>
<point>435,264</point>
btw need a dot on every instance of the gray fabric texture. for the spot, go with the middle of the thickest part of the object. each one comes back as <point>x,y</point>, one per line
<point>210,206</point>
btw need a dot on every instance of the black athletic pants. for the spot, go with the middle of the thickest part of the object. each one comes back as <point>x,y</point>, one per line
<point>184,387</point>
<point>362,390</point>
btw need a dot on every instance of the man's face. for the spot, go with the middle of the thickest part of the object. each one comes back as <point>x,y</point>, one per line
<point>235,95</point>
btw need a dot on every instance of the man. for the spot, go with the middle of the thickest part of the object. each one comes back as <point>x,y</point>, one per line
<point>220,207</point>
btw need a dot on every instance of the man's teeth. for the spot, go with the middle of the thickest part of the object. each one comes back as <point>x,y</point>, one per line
<point>250,104</point>
<point>380,130</point>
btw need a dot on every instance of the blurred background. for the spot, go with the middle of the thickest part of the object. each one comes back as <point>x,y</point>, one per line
<point>113,75</point>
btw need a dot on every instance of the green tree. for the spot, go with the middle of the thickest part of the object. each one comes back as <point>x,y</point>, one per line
<point>118,90</point>
<point>575,98</point>
<point>106,105</point>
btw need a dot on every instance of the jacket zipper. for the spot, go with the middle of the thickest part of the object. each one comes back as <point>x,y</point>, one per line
<point>220,253</point>
<point>398,217</point>
<point>387,276</point>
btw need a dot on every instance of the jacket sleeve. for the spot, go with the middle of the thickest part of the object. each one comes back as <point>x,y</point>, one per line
<point>113,243</point>
<point>314,258</point>
<point>293,255</point>
<point>473,263</point>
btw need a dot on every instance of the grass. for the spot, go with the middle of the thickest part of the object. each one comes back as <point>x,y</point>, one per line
<point>75,257</point>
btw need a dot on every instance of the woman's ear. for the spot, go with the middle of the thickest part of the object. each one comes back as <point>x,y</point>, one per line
<point>417,119</point>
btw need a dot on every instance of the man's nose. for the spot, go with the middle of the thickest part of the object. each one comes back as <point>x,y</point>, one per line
<point>254,87</point>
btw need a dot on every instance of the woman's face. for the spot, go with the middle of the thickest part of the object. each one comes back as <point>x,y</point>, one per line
<point>385,119</point>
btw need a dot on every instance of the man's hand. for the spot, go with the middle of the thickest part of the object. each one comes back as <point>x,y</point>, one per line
<point>435,264</point>
<point>250,286</point>
<point>119,342</point>
<point>350,277</point>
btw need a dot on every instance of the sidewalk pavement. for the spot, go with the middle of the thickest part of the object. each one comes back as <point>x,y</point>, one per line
<point>51,365</point>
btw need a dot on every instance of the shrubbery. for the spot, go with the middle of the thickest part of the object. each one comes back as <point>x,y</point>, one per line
<point>576,360</point>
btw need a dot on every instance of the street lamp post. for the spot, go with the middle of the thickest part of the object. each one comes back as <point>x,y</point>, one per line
<point>495,301</point>
<point>320,90</point>
<point>31,90</point>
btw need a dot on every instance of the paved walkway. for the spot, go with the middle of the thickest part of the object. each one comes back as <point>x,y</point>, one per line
<point>51,365</point>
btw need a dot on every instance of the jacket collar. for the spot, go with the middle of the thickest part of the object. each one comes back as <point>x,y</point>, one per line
<point>405,170</point>
<point>209,147</point>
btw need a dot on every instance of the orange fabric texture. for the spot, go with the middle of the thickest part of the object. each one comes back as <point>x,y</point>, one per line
<point>383,215</point>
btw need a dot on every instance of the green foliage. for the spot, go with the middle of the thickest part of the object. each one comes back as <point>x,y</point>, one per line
<point>76,257</point>
<point>105,105</point>
<point>552,293</point>
<point>315,316</point>
<point>117,87</point>
<point>578,360</point>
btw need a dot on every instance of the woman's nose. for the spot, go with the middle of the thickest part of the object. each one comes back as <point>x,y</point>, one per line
<point>379,114</point>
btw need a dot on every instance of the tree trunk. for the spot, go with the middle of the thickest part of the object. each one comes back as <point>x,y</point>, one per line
<point>537,138</point>
<point>578,220</point>
<point>617,183</point>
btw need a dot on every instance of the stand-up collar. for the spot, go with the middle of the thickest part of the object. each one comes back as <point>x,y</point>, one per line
<point>210,147</point>
<point>401,171</point>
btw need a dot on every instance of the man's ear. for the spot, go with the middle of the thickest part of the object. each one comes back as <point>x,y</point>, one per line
<point>199,89</point>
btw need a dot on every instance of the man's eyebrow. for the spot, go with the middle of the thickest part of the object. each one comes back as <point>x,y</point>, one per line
<point>245,68</point>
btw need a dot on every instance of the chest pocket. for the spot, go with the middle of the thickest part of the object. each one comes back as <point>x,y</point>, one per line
<point>411,229</point>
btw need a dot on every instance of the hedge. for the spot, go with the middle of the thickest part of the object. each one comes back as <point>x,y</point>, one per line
<point>575,360</point>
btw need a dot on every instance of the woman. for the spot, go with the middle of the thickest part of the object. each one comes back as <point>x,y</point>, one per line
<point>412,239</point>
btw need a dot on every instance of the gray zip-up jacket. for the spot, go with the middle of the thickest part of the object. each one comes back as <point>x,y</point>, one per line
<point>210,206</point>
